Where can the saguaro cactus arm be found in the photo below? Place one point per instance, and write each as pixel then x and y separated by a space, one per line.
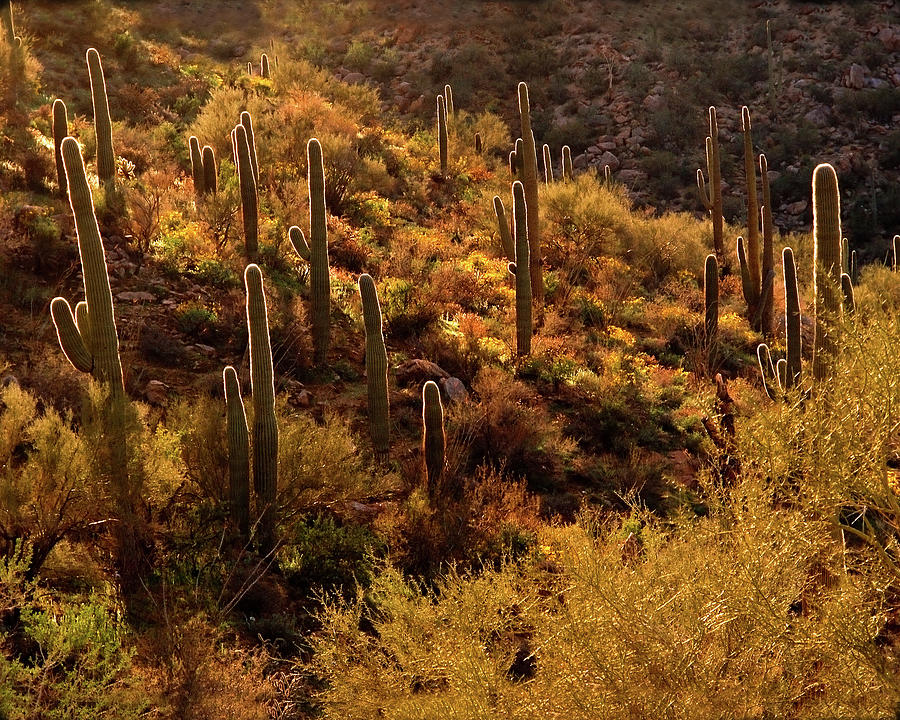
pixel 106 159
pixel 70 340
pixel 238 452
pixel 60 132
pixel 247 123
pixel 528 160
pixel 503 226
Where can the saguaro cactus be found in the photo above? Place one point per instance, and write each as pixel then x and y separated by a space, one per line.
pixel 895 256
pixel 60 132
pixel 567 169
pixel 376 369
pixel 753 266
pixel 197 173
pixel 316 251
pixel 791 318
pixel 247 123
pixel 210 173
pixel 448 101
pixel 6 18
pixel 238 453
pixel 434 442
pixel 548 165
pixel 479 144
pixel 106 158
pixel 265 425
pixel 503 226
pixel 847 290
pixel 826 266
pixel 264 66
pixel 712 195
pixel 520 269
pixel 528 160
pixel 249 197
pixel 711 297
pixel 767 290
pixel 442 133
pixel 519 156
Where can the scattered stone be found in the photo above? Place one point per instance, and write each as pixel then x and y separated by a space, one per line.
pixel 797 208
pixel 355 78
pixel 818 116
pixel 454 390
pixel 856 77
pixel 205 349
pixel 419 371
pixel 135 296
pixel 607 158
pixel 157 393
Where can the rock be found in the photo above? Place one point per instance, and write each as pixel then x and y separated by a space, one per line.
pixel 797 208
pixel 454 390
pixel 818 116
pixel 157 393
pixel 419 371
pixel 8 380
pixel 205 349
pixel 890 36
pixel 355 78
pixel 607 158
pixel 579 162
pixel 654 102
pixel 630 177
pixel 855 77
pixel 607 146
pixel 137 296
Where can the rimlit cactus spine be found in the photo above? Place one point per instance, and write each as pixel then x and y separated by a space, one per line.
pixel 265 425
pixel 210 172
pixel 826 267
pixel 106 158
pixel 60 132
pixel 316 251
pixel 249 197
pixel 434 442
pixel 520 269
pixel 529 176
pixel 238 453
pixel 376 369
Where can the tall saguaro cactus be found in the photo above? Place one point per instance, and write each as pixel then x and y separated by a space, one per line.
pixel 434 442
pixel 316 251
pixel 711 195
pixel 791 318
pixel 238 453
pixel 767 290
pixel 528 164
pixel 376 368
pixel 826 267
pixel 210 173
pixel 265 425
pixel 106 158
pixel 443 141
pixel 60 133
pixel 753 266
pixel 520 269
pixel 249 197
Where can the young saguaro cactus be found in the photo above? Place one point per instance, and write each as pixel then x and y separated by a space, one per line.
pixel 548 165
pixel 712 195
pixel 264 66
pixel 249 197
pixel 210 172
pixel 265 425
pixel 479 144
pixel 711 297
pixel 60 133
pixel 316 251
pixel 197 173
pixel 520 269
pixel 528 160
pixel 826 267
pixel 238 453
pixel 376 369
pixel 895 256
pixel 448 101
pixel 506 240
pixel 442 133
pixel 106 158
pixel 567 169
pixel 434 441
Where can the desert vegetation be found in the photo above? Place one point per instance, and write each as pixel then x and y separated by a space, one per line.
pixel 319 400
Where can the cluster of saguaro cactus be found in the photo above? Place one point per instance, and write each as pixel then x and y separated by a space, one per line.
pixel 826 267
pixel 711 192
pixel 265 425
pixel 434 441
pixel 519 267
pixel 757 280
pixel 443 135
pixel 238 436
pixel 60 133
pixel 316 251
pixel 711 298
pixel 106 158
pixel 376 368
pixel 527 161
pixel 248 185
